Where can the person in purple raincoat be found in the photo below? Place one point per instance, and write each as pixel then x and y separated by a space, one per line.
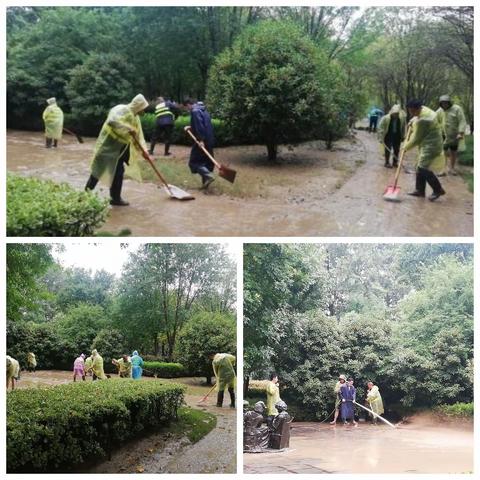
pixel 347 396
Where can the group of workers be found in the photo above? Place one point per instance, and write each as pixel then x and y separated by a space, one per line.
pixel 121 143
pixel 127 366
pixel 438 135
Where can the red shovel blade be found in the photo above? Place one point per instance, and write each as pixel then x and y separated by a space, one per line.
pixel 392 193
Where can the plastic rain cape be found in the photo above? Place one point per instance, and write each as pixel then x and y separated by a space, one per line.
pixel 112 142
pixel 452 122
pixel 223 369
pixel 426 134
pixel 375 400
pixel 53 119
pixel 273 396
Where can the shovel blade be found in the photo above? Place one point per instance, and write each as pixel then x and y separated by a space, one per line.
pixel 392 194
pixel 227 173
pixel 178 193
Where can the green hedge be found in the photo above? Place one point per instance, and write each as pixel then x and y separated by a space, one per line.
pixel 459 409
pixel 164 370
pixel 57 428
pixel 44 208
pixel 222 136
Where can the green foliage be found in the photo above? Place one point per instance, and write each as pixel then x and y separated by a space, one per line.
pixel 59 427
pixel 164 370
pixel 400 315
pixel 98 84
pixel 43 208
pixel 466 157
pixel 274 86
pixel 222 136
pixel 110 343
pixel 458 410
pixel 205 333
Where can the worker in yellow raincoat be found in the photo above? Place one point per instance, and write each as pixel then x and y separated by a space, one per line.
pixel 374 400
pixel 391 133
pixel 273 396
pixel 31 362
pixel 453 123
pixel 53 120
pixel 88 366
pixel 13 371
pixel 426 135
pixel 223 368
pixel 115 147
pixel 124 366
pixel 338 401
pixel 97 366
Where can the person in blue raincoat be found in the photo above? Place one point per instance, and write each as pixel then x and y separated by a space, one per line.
pixel 202 127
pixel 137 364
pixel 347 396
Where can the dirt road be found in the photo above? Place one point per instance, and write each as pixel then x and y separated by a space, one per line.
pixel 314 193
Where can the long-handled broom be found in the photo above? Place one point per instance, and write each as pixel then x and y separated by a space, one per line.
pixel 206 396
pixel 223 171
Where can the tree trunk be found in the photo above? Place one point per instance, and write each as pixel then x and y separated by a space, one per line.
pixel 246 383
pixel 272 151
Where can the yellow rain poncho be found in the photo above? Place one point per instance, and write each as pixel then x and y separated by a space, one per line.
pixel 115 138
pixel 13 368
pixel 124 368
pixel 453 122
pixel 273 396
pixel 31 360
pixel 97 365
pixel 385 123
pixel 224 372
pixel 426 134
pixel 53 120
pixel 88 364
pixel 375 400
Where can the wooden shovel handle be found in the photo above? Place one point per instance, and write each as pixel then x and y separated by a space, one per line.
pixel 402 155
pixel 146 156
pixel 205 151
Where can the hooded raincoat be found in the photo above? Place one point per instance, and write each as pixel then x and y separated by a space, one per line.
pixel 273 396
pixel 347 393
pixel 53 120
pixel 97 365
pixel 453 122
pixel 13 368
pixel 222 365
pixel 31 360
pixel 124 368
pixel 137 364
pixel 426 135
pixel 385 123
pixel 115 138
pixel 375 400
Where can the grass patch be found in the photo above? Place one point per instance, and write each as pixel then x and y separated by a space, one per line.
pixel 466 157
pixel 457 410
pixel 468 177
pixel 195 424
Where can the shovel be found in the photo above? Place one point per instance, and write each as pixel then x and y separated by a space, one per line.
pixel 206 396
pixel 223 171
pixel 79 138
pixel 172 190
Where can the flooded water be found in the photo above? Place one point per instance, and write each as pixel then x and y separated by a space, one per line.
pixel 164 452
pixel 417 447
pixel 313 193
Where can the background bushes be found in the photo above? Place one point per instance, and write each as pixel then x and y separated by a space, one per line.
pixel 63 426
pixel 44 208
pixel 164 370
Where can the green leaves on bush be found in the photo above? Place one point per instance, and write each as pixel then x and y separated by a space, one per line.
pixel 56 428
pixel 458 409
pixel 164 369
pixel 38 208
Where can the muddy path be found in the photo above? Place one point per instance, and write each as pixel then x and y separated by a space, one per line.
pixel 417 447
pixel 310 192
pixel 165 451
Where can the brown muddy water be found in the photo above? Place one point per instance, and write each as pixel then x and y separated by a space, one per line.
pixel 164 452
pixel 417 447
pixel 310 192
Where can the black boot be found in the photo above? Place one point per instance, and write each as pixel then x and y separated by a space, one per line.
pixel 434 183
pixel 91 183
pixel 48 142
pixel 231 391
pixel 116 188
pixel 420 184
pixel 152 148
pixel 55 143
pixel 220 398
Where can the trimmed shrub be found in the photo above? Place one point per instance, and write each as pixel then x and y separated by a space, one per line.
pixel 37 208
pixel 56 428
pixel 222 136
pixel 164 369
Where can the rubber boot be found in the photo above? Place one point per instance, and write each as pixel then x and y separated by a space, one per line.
pixel 48 142
pixel 91 183
pixel 152 148
pixel 231 391
pixel 55 143
pixel 220 399
pixel 167 148
pixel 420 184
